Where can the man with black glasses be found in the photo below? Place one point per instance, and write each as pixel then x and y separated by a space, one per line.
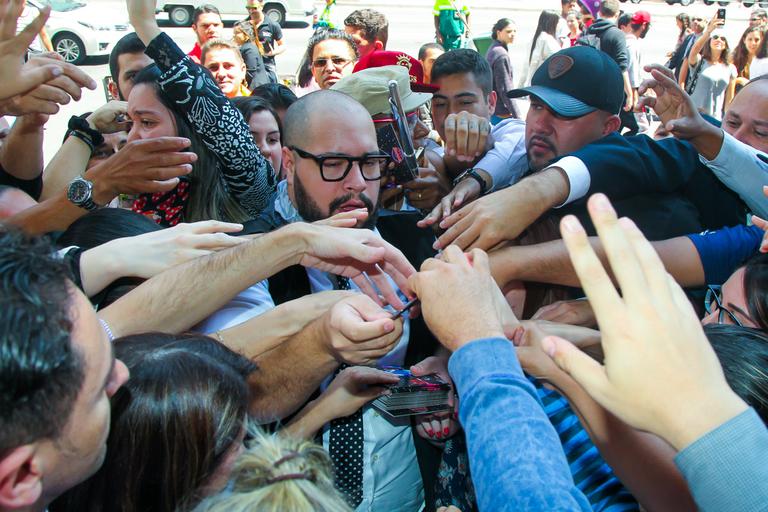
pixel 334 167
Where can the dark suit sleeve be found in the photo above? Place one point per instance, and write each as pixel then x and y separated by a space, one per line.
pixel 626 166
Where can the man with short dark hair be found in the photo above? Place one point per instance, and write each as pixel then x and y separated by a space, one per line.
pixel 207 24
pixel 126 59
pixel 573 150
pixel 332 55
pixel 464 102
pixel 57 374
pixel 758 18
pixel 428 54
pixel 604 35
pixel 369 29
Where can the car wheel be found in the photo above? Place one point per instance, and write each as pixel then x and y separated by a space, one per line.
pixel 275 12
pixel 70 47
pixel 180 15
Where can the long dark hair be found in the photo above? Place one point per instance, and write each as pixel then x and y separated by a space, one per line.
pixel 725 55
pixel 249 105
pixel 172 426
pixel 548 20
pixel 741 58
pixel 743 354
pixel 756 289
pixel 208 196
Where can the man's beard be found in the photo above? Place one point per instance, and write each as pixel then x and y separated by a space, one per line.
pixel 539 166
pixel 310 211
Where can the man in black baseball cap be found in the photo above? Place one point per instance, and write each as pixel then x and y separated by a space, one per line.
pixel 574 149
pixel 576 96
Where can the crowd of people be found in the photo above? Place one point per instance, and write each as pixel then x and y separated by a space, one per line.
pixel 213 278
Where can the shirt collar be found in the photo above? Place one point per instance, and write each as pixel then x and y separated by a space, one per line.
pixel 283 205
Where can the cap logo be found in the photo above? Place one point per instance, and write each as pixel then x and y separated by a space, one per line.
pixel 559 65
pixel 403 60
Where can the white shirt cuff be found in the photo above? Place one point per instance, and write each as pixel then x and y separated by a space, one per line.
pixel 578 177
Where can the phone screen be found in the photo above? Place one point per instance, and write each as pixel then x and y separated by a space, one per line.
pixel 721 14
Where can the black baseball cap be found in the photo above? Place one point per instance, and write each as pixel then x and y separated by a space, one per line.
pixel 577 81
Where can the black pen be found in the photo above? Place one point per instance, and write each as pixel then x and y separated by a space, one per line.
pixel 408 306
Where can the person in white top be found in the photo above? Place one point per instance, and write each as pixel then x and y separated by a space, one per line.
pixel 543 45
pixel 714 75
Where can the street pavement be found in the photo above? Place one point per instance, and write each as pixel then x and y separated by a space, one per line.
pixel 411 25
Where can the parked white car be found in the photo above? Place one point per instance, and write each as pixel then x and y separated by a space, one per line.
pixel 78 30
pixel 279 11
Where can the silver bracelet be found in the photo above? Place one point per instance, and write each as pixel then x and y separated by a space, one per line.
pixel 107 330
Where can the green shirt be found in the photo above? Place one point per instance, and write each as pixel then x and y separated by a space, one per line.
pixel 445 5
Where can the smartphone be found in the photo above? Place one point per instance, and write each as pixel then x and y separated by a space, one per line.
pixel 721 14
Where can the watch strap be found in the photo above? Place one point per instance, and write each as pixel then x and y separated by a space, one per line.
pixel 87 203
pixel 472 173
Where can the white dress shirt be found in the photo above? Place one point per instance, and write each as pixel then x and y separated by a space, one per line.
pixel 391 476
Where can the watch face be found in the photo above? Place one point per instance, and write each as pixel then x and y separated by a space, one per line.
pixel 78 191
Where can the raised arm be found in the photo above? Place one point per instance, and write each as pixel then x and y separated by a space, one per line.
pixel 245 171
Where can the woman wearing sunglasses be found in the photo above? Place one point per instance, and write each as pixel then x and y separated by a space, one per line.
pixel 712 81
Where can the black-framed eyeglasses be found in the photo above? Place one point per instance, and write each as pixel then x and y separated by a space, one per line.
pixel 336 166
pixel 715 294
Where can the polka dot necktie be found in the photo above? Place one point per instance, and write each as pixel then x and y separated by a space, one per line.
pixel 345 443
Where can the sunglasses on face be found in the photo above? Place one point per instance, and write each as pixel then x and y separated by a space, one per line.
pixel 337 62
pixel 716 37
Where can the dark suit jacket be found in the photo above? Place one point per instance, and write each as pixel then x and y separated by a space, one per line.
pixel 661 185
pixel 399 229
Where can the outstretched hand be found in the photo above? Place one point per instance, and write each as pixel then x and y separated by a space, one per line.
pixel 359 254
pixel 460 301
pixel 15 78
pixel 660 373
pixel 672 104
pixel 357 331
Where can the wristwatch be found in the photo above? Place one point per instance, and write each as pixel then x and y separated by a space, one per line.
pixel 471 173
pixel 80 193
